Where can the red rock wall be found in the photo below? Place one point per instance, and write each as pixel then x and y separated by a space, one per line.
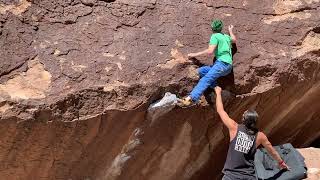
pixel 76 78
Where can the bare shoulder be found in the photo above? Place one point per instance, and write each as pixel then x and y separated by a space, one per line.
pixel 233 131
pixel 233 124
pixel 260 134
pixel 261 137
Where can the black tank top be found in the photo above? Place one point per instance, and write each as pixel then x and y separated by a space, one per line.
pixel 240 158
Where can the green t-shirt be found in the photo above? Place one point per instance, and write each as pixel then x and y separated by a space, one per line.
pixel 223 49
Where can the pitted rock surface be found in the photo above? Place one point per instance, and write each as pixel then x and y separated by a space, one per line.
pixel 77 76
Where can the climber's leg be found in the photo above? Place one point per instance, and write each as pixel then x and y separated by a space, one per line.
pixel 217 70
pixel 207 93
pixel 202 71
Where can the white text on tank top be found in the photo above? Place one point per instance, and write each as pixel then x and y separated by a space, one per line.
pixel 244 142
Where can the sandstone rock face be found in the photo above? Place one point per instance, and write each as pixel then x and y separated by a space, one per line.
pixel 312 160
pixel 77 76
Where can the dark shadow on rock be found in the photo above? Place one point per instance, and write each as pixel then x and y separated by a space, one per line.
pixel 227 83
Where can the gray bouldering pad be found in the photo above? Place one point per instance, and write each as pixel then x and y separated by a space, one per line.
pixel 267 168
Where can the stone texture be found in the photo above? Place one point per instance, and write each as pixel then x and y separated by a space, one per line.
pixel 77 76
pixel 312 160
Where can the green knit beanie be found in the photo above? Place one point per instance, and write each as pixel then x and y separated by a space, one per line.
pixel 217 25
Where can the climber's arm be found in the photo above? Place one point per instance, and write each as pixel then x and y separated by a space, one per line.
pixel 230 123
pixel 266 144
pixel 208 51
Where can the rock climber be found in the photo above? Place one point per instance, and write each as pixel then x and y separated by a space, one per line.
pixel 220 48
pixel 244 140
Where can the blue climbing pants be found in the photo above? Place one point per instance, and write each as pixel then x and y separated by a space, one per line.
pixel 209 75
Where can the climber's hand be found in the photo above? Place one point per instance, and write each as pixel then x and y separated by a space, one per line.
pixel 230 27
pixel 218 90
pixel 283 165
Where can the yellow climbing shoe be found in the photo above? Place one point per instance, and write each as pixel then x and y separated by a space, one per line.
pixel 185 102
